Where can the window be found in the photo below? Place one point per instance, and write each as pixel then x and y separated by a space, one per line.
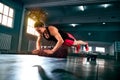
pixel 100 49
pixel 90 48
pixel 30 27
pixel 6 15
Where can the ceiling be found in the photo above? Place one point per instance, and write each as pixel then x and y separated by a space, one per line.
pixel 62 13
pixel 67 12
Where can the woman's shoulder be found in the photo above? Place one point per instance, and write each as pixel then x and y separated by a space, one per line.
pixel 52 27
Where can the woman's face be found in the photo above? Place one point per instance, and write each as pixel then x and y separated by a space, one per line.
pixel 40 29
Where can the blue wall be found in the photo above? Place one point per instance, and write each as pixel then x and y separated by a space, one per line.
pixel 98 32
pixel 18 8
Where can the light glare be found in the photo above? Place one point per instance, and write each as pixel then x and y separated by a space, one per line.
pixel 81 8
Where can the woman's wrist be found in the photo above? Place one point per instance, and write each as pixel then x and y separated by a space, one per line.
pixel 53 51
pixel 38 48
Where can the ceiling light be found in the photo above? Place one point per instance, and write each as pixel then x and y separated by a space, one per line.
pixel 105 5
pixel 89 33
pixel 73 25
pixel 81 8
pixel 103 23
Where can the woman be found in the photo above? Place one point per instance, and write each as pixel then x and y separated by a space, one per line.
pixel 54 34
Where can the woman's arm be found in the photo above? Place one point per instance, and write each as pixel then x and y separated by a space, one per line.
pixel 38 45
pixel 54 32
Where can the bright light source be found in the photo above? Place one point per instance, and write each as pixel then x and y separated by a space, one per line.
pixel 30 28
pixel 90 48
pixel 81 8
pixel 103 23
pixel 73 25
pixel 89 33
pixel 100 49
pixel 105 5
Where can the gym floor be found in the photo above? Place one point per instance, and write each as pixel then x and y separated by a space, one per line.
pixel 33 67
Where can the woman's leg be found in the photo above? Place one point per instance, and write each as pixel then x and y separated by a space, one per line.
pixel 80 42
pixel 76 43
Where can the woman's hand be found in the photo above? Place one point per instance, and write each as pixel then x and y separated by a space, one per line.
pixel 48 51
pixel 36 51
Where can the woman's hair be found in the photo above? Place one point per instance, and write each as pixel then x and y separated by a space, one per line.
pixel 39 24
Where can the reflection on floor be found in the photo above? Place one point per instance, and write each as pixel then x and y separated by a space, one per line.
pixel 32 67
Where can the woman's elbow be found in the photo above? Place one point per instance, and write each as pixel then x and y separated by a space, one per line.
pixel 62 41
